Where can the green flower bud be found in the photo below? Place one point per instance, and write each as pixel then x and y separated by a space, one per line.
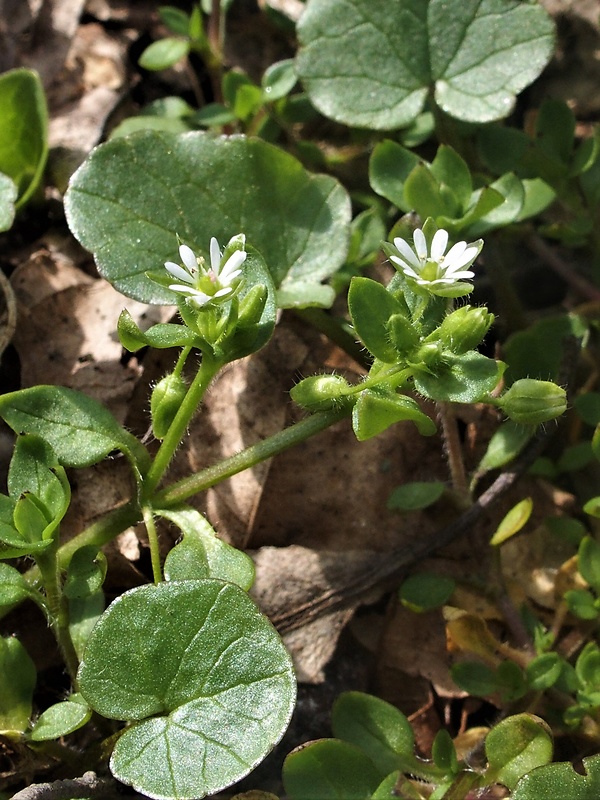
pixel 166 399
pixel 429 356
pixel 320 392
pixel 403 336
pixel 464 329
pixel 532 402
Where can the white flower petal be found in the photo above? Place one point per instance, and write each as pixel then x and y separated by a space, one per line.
pixel 439 244
pixel 464 259
pixel 189 259
pixel 178 272
pixel 235 260
pixel 223 291
pixel 215 256
pixel 178 287
pixel 455 252
pixel 458 276
pixel 420 244
pixel 407 253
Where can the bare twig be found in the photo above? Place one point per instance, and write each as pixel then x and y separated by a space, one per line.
pixel 88 786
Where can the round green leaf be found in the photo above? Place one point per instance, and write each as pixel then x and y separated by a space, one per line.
pixel 60 720
pixel 329 770
pixel 415 495
pixel 279 80
pixel 544 671
pixel 207 187
pixel 372 63
pixel 426 591
pixel 13 586
pixel 588 562
pixel 204 674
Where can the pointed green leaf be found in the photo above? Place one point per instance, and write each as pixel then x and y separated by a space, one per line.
pixel 17 678
pixel 299 222
pixel 203 675
pixel 389 167
pixel 452 171
pixel 162 335
pixel 372 63
pixel 79 430
pixel 516 746
pixel 465 379
pixel 164 53
pixel 61 719
pixel 23 130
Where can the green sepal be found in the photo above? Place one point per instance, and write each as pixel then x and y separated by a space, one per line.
pixel 160 336
pixel 379 407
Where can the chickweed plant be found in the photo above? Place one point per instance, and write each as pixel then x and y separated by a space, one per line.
pixel 232 213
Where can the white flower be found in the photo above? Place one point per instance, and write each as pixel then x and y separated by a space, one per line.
pixel 436 270
pixel 204 285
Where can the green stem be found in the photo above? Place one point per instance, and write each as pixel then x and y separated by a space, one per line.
pixel 49 568
pixel 153 542
pixel 208 369
pixel 295 434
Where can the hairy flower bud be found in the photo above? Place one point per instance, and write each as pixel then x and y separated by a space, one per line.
pixel 166 399
pixel 532 402
pixel 403 336
pixel 464 329
pixel 320 392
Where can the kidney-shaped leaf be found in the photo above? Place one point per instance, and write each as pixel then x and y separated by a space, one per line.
pixel 133 196
pixel 372 63
pixel 203 672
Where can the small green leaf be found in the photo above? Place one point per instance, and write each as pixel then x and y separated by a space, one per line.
pixel 561 780
pixel 443 752
pixel 371 306
pixel 474 678
pixel 588 562
pixel 8 195
pixel 79 430
pixel 329 769
pixel 23 130
pixel 587 667
pixel 377 728
pixel 164 53
pixel 279 80
pixel 423 193
pixel 85 573
pixel 581 603
pixel 378 408
pixel 516 746
pixel 201 673
pixel 426 591
pixel 17 678
pixel 202 554
pixel 61 719
pixel 513 522
pixel 505 444
pixel 452 172
pixel 415 495
pixel 389 167
pixel 372 64
pixel 84 612
pixel 176 20
pixel 543 671
pixel 592 507
pixel 13 586
pixel 299 222
pixel 161 336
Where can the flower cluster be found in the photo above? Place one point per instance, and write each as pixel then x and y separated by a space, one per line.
pixel 436 271
pixel 202 284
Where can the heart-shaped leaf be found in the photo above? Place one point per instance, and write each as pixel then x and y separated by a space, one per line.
pixel 207 187
pixel 205 676
pixel 372 63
